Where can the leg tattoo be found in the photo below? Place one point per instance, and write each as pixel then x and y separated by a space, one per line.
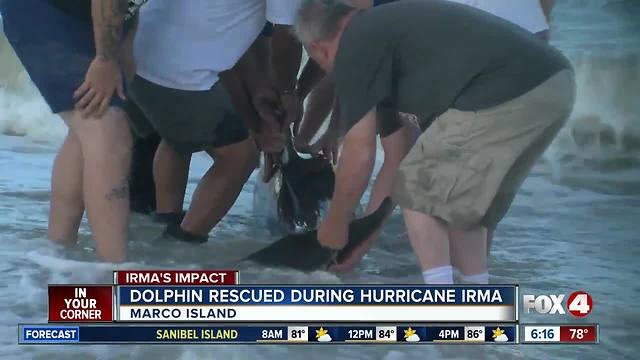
pixel 119 192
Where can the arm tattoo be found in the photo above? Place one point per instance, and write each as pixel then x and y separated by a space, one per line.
pixel 108 19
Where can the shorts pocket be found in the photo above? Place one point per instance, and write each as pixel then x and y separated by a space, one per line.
pixel 456 183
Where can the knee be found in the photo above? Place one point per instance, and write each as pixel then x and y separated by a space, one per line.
pixel 250 158
pixel 116 130
pixel 245 157
pixel 109 134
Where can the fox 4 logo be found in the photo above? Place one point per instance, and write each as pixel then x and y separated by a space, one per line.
pixel 579 304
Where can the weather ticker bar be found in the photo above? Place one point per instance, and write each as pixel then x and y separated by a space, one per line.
pixel 499 334
pixel 267 334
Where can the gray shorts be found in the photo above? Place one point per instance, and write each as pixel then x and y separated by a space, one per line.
pixel 189 121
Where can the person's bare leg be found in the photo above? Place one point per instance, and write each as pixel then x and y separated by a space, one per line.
pixel 219 188
pixel 106 149
pixel 170 173
pixel 468 254
pixel 490 233
pixel 395 149
pixel 67 204
pixel 396 146
pixel 430 241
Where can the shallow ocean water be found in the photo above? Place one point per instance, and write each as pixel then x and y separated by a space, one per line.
pixel 573 225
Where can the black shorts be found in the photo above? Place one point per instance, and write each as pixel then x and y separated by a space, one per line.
pixel 189 121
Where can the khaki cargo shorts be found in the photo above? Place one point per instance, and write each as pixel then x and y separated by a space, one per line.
pixel 467 167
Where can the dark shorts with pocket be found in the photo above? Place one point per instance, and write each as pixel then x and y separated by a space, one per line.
pixel 189 121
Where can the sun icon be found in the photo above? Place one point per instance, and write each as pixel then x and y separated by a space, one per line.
pixel 409 332
pixel 320 333
pixel 499 335
pixel 411 336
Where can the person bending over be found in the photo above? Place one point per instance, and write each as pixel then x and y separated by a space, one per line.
pixel 532 15
pixel 477 146
pixel 178 90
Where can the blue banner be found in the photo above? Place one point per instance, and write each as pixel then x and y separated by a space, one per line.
pixel 42 334
pixel 316 295
pixel 252 334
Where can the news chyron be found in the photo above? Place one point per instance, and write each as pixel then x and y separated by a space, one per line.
pixel 213 307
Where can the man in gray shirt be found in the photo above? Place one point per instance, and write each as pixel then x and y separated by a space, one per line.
pixel 489 95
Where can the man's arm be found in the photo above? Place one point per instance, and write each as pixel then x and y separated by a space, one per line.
pixel 255 72
pixel 104 77
pixel 319 105
pixel 254 68
pixel 251 84
pixel 285 60
pixel 352 177
pixel 108 21
pixel 286 57
pixel 309 78
pixel 241 99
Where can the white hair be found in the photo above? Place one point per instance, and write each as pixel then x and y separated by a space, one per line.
pixel 319 19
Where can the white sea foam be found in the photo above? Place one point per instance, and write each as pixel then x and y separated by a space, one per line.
pixel 23 112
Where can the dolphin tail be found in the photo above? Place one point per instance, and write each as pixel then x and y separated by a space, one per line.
pixel 304 252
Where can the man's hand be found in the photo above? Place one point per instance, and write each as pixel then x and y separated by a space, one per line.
pixel 352 259
pixel 292 106
pixel 103 79
pixel 327 145
pixel 269 140
pixel 333 233
pixel 268 106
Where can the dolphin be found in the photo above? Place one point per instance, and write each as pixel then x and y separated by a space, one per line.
pixel 295 191
pixel 303 251
pixel 306 185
